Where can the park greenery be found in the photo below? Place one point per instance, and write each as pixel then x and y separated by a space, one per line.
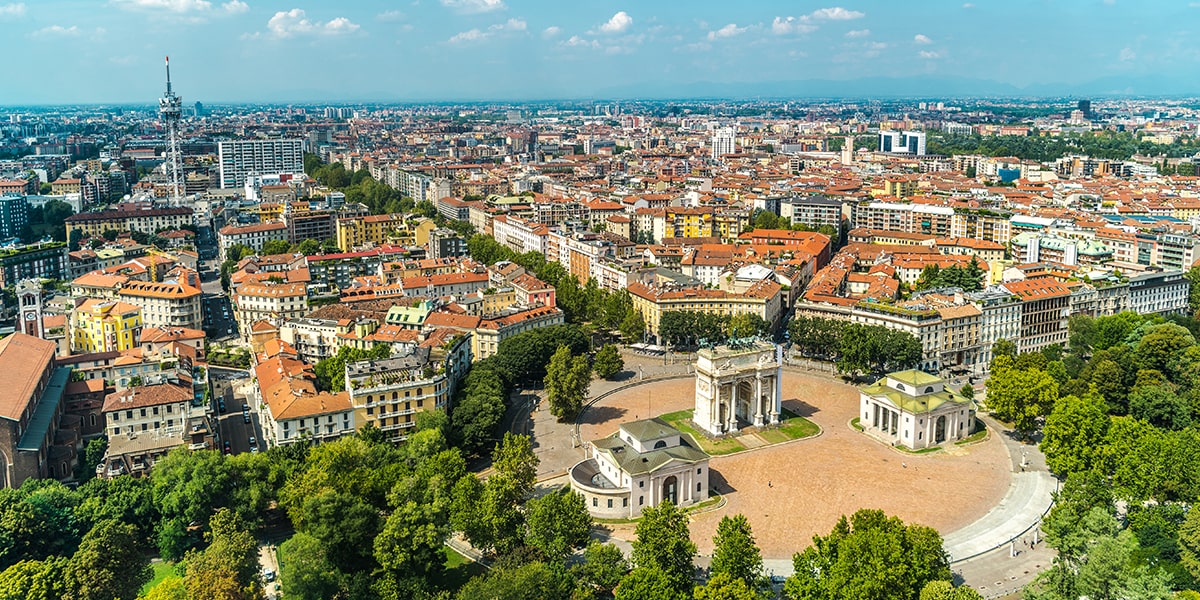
pixel 1117 412
pixel 855 348
pixel 1100 144
pixel 608 362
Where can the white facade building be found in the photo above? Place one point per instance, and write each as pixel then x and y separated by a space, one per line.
pixel 239 158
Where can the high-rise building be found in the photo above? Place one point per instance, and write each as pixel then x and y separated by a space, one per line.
pixel 268 157
pixel 889 141
pixel 908 142
pixel 14 215
pixel 1085 107
pixel 723 142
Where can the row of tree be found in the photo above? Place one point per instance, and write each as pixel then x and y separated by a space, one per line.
pixel 687 328
pixel 968 278
pixel 856 348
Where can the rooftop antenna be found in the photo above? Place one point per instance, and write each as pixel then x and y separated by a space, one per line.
pixel 170 107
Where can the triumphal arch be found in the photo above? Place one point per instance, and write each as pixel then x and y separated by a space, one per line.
pixel 738 385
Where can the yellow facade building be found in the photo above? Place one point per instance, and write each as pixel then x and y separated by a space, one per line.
pixel 104 326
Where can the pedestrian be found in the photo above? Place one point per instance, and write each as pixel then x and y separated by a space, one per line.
pixel 769 483
pixel 904 464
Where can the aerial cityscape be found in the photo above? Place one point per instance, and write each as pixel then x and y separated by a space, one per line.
pixel 496 300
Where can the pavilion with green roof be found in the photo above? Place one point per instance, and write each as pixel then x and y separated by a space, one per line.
pixel 916 410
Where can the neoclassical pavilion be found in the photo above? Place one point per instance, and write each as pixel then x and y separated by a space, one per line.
pixel 916 410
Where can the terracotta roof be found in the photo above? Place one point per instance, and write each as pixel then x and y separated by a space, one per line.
pixel 149 395
pixel 23 360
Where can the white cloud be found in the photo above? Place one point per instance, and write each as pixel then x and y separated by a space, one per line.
pixel 578 42
pixel 837 13
pixel 291 23
pixel 551 31
pixel 857 33
pixel 786 25
pixel 510 25
pixel 921 38
pixel 474 6
pixel 175 6
pixel 618 23
pixel 727 31
pixel 806 23
pixel 968 5
pixel 929 54
pixel 478 35
pixel 1127 54
pixel 12 11
pixel 235 7
pixel 470 35
pixel 56 30
pixel 389 15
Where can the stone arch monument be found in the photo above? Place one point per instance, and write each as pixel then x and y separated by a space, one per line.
pixel 738 385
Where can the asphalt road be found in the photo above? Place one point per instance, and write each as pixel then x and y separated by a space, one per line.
pixel 231 424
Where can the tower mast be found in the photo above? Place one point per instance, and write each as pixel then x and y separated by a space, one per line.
pixel 170 108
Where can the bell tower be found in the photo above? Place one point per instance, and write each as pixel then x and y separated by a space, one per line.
pixel 29 301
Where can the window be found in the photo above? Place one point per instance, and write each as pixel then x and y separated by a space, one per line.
pixel 595 502
pixel 697 486
pixel 641 484
pixel 610 502
pixel 624 502
pixel 697 471
pixel 641 500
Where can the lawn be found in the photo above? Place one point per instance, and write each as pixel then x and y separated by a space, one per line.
pixel 791 429
pixel 458 570
pixel 682 420
pixel 979 434
pixel 161 571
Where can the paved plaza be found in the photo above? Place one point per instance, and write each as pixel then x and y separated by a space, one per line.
pixel 795 490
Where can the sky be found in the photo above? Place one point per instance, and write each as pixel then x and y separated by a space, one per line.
pixel 111 51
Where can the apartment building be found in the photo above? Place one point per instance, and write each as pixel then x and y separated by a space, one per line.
pixel 253 236
pixel 433 286
pixel 987 225
pixel 144 423
pixel 239 158
pixel 494 329
pixel 1045 308
pixel 291 410
pixel 913 218
pixel 520 235
pixel 172 303
pixel 145 221
pixel 268 301
pixel 104 326
pixel 763 298
pixel 813 211
pixel 1163 293
pixel 1000 319
pixel 337 271
pixel 389 393
pixel 35 261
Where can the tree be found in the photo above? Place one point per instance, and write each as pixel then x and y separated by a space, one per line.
pixel 603 567
pixel 869 555
pixel 648 583
pixel 228 568
pixel 663 544
pixel 735 553
pixel 479 410
pixel 1158 347
pixel 187 487
pixel 1021 395
pixel 567 380
pixel 110 564
pixel 944 590
pixel 34 580
pixel 724 586
pixel 557 523
pixel 275 247
pixel 307 574
pixel 308 247
pixel 489 514
pixel 534 580
pixel 1074 434
pixel 608 362
pixel 747 325
pixel 1160 406
pixel 633 326
pixel 93 454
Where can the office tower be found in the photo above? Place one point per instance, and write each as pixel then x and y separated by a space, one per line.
pixel 889 141
pixel 170 107
pixel 14 215
pixel 199 109
pixel 722 142
pixel 913 142
pixel 1085 107
pixel 265 157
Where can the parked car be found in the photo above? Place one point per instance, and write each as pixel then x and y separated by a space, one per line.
pixel 221 405
pixel 245 417
pixel 228 449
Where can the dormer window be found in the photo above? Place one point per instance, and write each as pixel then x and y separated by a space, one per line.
pixel 660 444
pixel 929 390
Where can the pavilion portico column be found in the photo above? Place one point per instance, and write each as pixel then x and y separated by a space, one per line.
pixel 734 397
pixel 758 401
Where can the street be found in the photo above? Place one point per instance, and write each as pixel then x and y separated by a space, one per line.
pixel 232 425
pixel 219 323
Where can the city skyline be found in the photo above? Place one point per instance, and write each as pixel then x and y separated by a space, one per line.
pixel 253 51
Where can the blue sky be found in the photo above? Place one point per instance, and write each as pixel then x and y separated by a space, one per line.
pixel 67 51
